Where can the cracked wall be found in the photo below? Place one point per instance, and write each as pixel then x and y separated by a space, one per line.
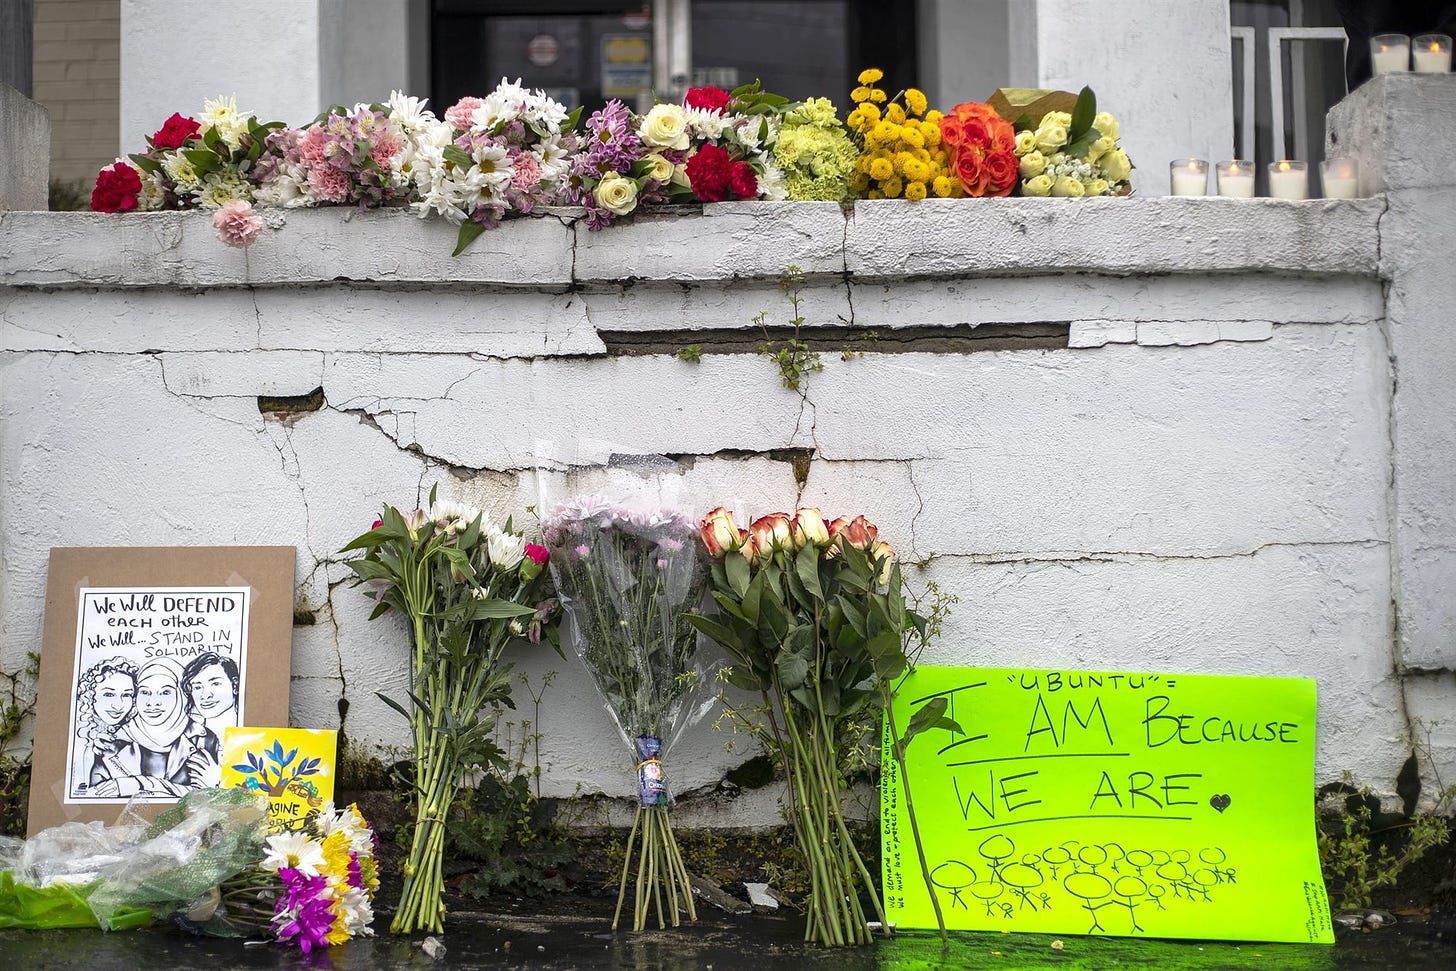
pixel 1187 468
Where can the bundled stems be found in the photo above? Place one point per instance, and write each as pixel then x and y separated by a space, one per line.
pixel 661 874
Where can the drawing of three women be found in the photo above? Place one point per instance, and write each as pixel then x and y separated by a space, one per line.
pixel 154 729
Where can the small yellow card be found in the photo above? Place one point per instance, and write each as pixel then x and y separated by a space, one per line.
pixel 294 766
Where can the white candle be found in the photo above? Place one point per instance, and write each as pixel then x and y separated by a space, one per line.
pixel 1432 54
pixel 1288 180
pixel 1389 53
pixel 1189 176
pixel 1341 178
pixel 1236 179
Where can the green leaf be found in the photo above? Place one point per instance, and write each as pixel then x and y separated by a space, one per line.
pixel 720 633
pixel 773 617
pixel 737 569
pixel 392 703
pixel 742 676
pixel 728 605
pixel 792 669
pixel 753 596
pixel 455 154
pixel 469 233
pixel 891 665
pixel 1082 114
pixel 1079 147
pixel 499 609
pixel 927 716
pixel 213 140
pixel 569 125
pixel 147 165
pixel 806 564
pixel 202 160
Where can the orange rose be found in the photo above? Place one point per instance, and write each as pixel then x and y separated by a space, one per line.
pixel 1001 173
pixel 772 532
pixel 858 532
pixel 720 533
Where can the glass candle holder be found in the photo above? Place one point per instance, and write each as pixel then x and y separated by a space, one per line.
pixel 1236 179
pixel 1389 54
pixel 1340 178
pixel 1289 179
pixel 1188 177
pixel 1431 54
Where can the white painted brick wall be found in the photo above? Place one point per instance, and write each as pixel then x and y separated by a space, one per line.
pixel 1201 481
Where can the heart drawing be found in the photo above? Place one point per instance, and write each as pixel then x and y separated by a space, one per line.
pixel 1220 801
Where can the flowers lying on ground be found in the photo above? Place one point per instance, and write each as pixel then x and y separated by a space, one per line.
pixel 516 150
pixel 1073 154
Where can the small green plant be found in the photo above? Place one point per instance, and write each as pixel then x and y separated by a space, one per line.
pixel 693 354
pixel 856 345
pixel 17 707
pixel 793 356
pixel 1362 849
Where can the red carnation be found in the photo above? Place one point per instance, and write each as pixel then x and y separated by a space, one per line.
pixel 743 181
pixel 709 98
pixel 709 173
pixel 537 554
pixel 117 188
pixel 175 131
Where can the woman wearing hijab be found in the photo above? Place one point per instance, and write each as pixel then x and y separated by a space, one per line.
pixel 105 701
pixel 154 749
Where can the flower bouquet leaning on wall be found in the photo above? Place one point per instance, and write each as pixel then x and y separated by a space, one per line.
pixel 627 581
pixel 816 621
pixel 466 587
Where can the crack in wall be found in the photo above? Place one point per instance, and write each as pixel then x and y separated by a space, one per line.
pixel 1034 557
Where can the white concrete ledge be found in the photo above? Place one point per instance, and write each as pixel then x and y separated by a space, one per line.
pixel 728 241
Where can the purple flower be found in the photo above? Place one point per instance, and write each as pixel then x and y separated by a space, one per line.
pixel 612 145
pixel 583 551
pixel 303 914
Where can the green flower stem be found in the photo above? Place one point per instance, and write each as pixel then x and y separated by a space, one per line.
pixel 626 861
pixel 899 751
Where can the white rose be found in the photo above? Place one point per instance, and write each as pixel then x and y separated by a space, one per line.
pixel 1115 166
pixel 661 168
pixel 680 176
pixel 1039 186
pixel 1098 187
pixel 1032 165
pixel 1106 124
pixel 1099 148
pixel 1050 137
pixel 616 194
pixel 665 126
pixel 1068 187
pixel 1025 141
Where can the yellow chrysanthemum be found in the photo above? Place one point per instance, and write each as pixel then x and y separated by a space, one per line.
pixel 885 131
pixel 881 169
pixel 910 135
pixel 934 116
pixel 892 187
pixel 915 100
pixel 337 934
pixel 855 121
pixel 893 112
pixel 930 132
pixel 943 186
pixel 860 182
pixel 859 94
pixel 915 191
pixel 870 110
pixel 336 855
pixel 870 75
pixel 875 194
pixel 876 94
pixel 915 170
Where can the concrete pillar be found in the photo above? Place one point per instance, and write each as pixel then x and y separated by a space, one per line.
pixel 1402 130
pixel 1164 69
pixel 963 49
pixel 264 53
pixel 25 144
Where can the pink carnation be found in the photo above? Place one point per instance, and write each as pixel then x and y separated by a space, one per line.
pixel 525 171
pixel 458 114
pixel 236 223
pixel 328 184
pixel 311 145
pixel 386 148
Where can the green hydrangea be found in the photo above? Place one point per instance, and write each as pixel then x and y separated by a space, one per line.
pixel 815 153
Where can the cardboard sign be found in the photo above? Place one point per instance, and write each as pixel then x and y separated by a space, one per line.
pixel 1101 803
pixel 148 656
pixel 294 766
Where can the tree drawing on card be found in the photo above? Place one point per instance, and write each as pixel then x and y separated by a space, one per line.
pixel 159 676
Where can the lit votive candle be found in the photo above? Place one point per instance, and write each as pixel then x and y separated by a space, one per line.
pixel 1236 179
pixel 1189 176
pixel 1432 54
pixel 1289 179
pixel 1389 53
pixel 1341 178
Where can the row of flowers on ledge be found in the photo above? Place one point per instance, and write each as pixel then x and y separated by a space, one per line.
pixel 516 150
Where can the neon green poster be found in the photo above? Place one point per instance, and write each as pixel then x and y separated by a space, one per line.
pixel 1123 804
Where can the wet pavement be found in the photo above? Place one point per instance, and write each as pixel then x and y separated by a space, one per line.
pixel 519 938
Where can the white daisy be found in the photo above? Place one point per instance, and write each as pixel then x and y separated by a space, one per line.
pixel 294 851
